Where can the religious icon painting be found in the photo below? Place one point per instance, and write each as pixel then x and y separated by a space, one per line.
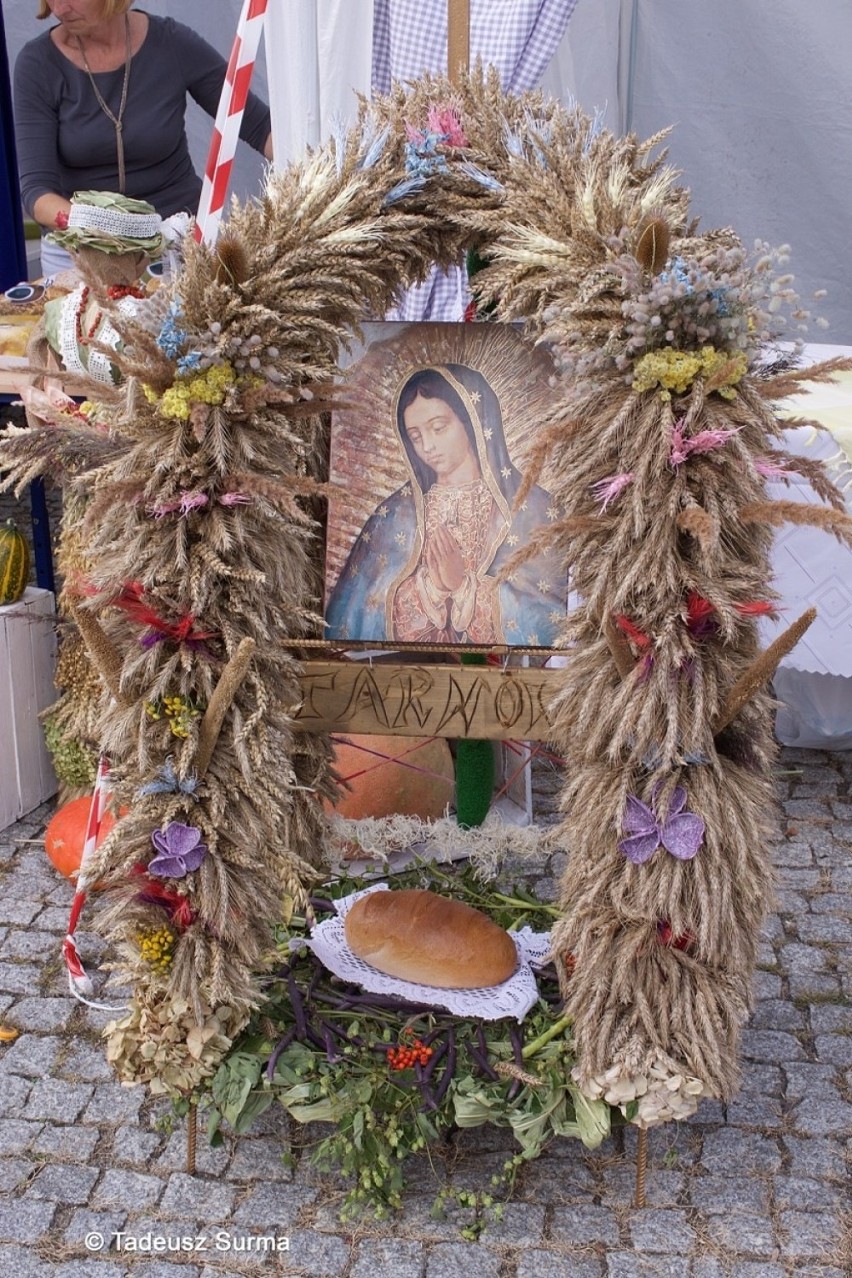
pixel 427 460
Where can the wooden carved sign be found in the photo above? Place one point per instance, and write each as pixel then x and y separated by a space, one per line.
pixel 413 700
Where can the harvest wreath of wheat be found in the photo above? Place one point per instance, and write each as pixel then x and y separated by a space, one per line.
pixel 195 563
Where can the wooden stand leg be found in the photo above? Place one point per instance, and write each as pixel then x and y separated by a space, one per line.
pixel 641 1167
pixel 191 1138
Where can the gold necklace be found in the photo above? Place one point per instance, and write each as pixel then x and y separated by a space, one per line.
pixel 116 119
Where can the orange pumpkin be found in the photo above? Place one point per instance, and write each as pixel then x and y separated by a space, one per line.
pixel 381 786
pixel 66 834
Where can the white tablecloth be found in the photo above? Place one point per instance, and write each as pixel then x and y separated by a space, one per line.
pixel 812 568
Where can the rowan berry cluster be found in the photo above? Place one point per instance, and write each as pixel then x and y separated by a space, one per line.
pixel 407 1055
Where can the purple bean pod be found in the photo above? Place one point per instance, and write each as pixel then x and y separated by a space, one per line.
pixel 331 1053
pixel 517 1053
pixel 298 1007
pixel 449 1069
pixel 321 905
pixel 280 1046
pixel 482 1058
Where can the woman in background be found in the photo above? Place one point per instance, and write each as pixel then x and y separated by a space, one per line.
pixel 100 104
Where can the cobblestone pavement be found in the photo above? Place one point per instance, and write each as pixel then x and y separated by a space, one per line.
pixel 755 1189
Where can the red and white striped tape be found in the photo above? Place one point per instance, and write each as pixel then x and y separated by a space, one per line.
pixel 78 979
pixel 226 131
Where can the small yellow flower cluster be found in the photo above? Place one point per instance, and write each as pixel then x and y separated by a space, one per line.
pixel 208 387
pixel 676 370
pixel 156 945
pixel 177 710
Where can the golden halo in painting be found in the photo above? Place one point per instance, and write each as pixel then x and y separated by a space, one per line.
pixel 430 451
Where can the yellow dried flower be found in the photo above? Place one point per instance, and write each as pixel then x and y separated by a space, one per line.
pixel 156 946
pixel 675 370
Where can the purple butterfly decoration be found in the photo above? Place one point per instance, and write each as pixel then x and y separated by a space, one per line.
pixel 681 833
pixel 179 851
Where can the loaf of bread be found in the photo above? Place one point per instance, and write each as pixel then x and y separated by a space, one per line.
pixel 420 936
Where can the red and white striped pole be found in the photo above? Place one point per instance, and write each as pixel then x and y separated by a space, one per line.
pixel 78 979
pixel 226 130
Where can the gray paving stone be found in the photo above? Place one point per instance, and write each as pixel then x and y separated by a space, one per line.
pixel 764 1079
pixel 755 1111
pixel 376 1257
pixel 450 1260
pixel 112 1102
pixel 793 1193
pixel 127 1189
pixel 803 960
pixel 154 1267
pixel 791 903
pixel 86 1222
pixel 662 1189
pixel 706 1267
pixel 135 1147
pixel 25 1220
pixel 51 1099
pixel 804 1078
pixel 766 985
pixel 521 1225
pixel 19 978
pixel 816 985
pixel 209 1161
pixel 757 1269
pixel 557 1180
pixel 777 1014
pixel 798 880
pixel 826 928
pixel 23 1262
pixel 732 1193
pixel 19 911
pixel 88 1268
pixel 24 945
pixel 743 1234
pixel 744 1153
pixel 831 1018
pixel 192 1197
pixel 816 1116
pixel 830 903
pixel 771 1046
pixel 14 1171
pixel 67 1144
pixel 836 1048
pixel 661 1231
pixel 53 919
pixel 64 1182
pixel 625 1264
pixel 16 1134
pixel 44 1014
pixel 584 1223
pixel 275 1205
pixel 32 1055
pixel 550 1264
pixel 808 1234
pixel 258 1159
pixel 85 1063
pixel 815 1158
pixel 14 1094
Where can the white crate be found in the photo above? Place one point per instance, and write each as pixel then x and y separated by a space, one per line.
pixel 27 662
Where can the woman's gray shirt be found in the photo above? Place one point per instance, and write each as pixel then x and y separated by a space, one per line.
pixel 66 143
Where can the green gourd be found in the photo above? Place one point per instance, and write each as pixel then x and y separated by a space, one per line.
pixel 14 563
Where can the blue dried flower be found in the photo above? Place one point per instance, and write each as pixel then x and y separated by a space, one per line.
pixel 171 339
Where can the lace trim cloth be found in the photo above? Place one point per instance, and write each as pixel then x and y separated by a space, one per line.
pixel 514 997
pixel 90 217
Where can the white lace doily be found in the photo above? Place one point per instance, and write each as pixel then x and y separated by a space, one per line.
pixel 514 997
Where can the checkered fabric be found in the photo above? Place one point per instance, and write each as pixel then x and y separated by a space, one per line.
pixel 518 37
